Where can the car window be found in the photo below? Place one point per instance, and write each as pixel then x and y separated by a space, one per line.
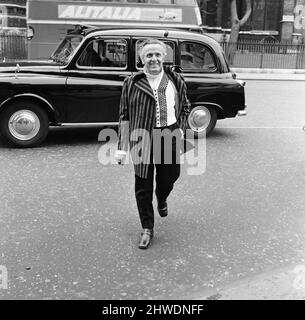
pixel 169 58
pixel 104 53
pixel 195 56
pixel 66 49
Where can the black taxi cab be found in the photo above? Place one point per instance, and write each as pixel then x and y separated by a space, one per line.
pixel 81 83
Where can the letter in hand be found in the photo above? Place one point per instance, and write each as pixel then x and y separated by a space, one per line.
pixel 182 133
pixel 120 156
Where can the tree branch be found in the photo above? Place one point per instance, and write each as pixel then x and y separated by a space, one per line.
pixel 234 15
pixel 247 14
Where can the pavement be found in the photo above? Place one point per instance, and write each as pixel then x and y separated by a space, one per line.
pixel 270 74
pixel 287 283
pixel 282 284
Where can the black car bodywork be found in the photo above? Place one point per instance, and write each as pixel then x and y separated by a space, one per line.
pixel 65 91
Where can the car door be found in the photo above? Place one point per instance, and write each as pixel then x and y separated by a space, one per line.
pixel 95 82
pixel 201 70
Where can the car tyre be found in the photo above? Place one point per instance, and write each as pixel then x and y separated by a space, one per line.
pixel 202 120
pixel 24 124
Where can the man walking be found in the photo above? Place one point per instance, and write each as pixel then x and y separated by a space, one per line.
pixel 153 103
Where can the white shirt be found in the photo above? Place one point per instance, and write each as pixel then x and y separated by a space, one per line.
pixel 170 93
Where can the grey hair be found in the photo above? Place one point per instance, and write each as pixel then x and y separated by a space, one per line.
pixel 148 42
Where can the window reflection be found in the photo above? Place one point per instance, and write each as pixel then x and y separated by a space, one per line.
pixel 104 53
pixel 197 57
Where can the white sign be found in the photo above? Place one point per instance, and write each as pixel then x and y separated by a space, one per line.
pixel 299 17
pixel 288 18
pixel 119 13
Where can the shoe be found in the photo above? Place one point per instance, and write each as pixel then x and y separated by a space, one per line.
pixel 146 237
pixel 162 208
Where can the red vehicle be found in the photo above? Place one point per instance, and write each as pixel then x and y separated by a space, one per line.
pixel 49 21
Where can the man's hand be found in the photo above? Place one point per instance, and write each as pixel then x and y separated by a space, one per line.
pixel 120 156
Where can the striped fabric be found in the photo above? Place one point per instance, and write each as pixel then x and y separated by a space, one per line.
pixel 137 111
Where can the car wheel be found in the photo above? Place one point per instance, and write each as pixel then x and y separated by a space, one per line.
pixel 24 124
pixel 202 121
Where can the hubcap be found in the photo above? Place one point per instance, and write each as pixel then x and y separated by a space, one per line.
pixel 24 124
pixel 199 119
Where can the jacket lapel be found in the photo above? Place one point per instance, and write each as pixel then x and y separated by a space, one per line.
pixel 143 85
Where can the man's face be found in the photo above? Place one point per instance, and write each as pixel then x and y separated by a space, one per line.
pixel 153 58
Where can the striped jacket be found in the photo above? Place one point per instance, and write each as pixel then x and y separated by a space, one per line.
pixel 138 111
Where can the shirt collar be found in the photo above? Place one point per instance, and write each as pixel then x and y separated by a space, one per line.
pixel 153 77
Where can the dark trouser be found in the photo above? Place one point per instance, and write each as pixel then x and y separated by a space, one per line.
pixel 166 176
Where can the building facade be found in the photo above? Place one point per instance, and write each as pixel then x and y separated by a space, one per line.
pixel 12 16
pixel 283 20
pixel 293 21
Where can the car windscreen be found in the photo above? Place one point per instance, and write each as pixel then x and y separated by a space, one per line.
pixel 66 48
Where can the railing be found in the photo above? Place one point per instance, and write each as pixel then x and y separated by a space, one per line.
pixel 255 54
pixel 13 46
